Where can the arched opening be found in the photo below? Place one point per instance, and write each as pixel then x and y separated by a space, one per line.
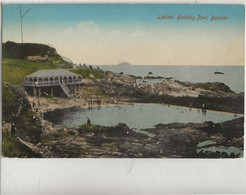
pixel 40 81
pixel 56 80
pixel 46 80
pixel 70 80
pixel 79 78
pixel 35 81
pixel 51 80
pixel 65 79
pixel 29 81
pixel 74 79
pixel 26 80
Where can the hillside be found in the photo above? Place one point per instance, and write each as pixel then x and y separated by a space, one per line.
pixel 15 108
pixel 20 51
pixel 15 66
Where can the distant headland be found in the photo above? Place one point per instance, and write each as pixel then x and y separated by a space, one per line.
pixel 124 64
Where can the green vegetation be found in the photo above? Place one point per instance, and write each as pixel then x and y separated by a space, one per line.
pixel 16 67
pixel 88 126
pixel 15 70
pixel 12 147
pixel 85 72
pixel 31 126
pixel 9 103
pixel 20 51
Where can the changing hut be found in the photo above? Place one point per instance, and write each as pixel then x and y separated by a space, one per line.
pixel 57 82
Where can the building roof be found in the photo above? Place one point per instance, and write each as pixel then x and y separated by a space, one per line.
pixel 52 73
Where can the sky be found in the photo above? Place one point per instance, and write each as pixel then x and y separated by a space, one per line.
pixel 141 34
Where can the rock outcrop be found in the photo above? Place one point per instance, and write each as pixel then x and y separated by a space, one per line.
pixel 37 58
pixel 175 140
pixel 212 96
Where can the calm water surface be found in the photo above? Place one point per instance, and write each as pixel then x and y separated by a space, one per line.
pixel 137 116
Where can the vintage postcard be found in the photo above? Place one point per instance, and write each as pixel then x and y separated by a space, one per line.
pixel 123 80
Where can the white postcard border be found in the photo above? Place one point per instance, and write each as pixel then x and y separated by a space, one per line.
pixel 123 176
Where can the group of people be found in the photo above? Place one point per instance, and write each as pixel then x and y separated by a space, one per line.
pixel 98 102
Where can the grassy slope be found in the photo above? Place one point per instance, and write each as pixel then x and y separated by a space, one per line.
pixel 12 147
pixel 9 104
pixel 16 67
pixel 85 72
pixel 15 70
pixel 31 127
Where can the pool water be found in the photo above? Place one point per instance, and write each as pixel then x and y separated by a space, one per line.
pixel 136 116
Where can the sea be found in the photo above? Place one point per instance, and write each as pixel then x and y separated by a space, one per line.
pixel 233 76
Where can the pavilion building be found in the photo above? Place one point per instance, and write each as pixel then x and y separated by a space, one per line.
pixel 57 82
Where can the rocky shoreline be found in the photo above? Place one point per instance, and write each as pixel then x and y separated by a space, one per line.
pixel 123 89
pixel 212 96
pixel 174 140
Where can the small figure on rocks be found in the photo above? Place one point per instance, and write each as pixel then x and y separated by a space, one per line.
pixel 88 121
pixel 13 128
